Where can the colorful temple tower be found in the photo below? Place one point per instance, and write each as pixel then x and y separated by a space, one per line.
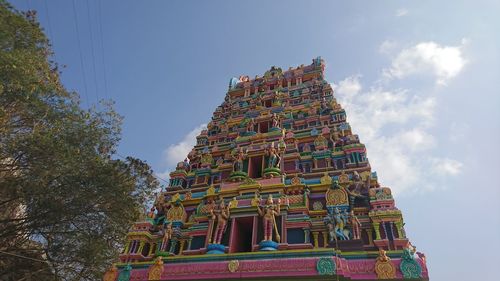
pixel 277 187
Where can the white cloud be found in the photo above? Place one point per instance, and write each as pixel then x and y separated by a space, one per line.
pixel 418 139
pixel 395 124
pixel 394 165
pixel 177 152
pixel 445 166
pixel 388 46
pixel 444 62
pixel 371 111
pixel 401 12
pixel 349 86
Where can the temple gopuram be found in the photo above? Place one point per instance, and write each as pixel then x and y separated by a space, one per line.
pixel 277 187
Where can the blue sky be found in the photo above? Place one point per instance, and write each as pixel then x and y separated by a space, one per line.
pixel 419 81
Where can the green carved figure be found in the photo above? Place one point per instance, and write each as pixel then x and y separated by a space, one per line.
pixel 274 159
pixel 238 157
pixel 409 266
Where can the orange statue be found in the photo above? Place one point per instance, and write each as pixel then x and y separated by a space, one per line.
pixel 167 235
pixel 355 225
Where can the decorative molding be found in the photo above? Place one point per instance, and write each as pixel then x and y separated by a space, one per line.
pixel 384 268
pixel 325 266
pixel 233 266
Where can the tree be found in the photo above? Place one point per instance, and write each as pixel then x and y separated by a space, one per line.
pixel 66 202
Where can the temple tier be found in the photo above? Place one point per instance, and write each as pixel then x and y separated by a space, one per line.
pixel 277 186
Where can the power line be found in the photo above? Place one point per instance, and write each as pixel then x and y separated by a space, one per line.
pixel 80 52
pixel 49 27
pixel 102 49
pixel 93 55
pixel 92 52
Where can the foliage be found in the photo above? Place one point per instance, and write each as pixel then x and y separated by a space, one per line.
pixel 64 200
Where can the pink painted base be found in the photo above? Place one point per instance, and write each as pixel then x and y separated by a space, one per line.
pixel 360 269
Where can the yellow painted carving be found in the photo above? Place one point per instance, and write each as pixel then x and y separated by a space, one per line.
pixel 295 180
pixel 233 203
pixel 233 266
pixel 176 213
pixel 384 268
pixel 336 197
pixel 326 179
pixel 176 197
pixel 211 191
pixel 255 200
pixel 343 178
pixel 207 159
pixel 156 270
pixel 320 141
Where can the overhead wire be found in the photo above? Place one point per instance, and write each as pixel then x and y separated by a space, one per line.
pixel 49 25
pixel 80 52
pixel 29 5
pixel 92 52
pixel 99 18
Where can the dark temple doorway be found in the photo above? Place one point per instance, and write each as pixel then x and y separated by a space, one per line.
pixel 242 235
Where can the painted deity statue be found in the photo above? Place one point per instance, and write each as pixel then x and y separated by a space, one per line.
pixel 275 121
pixel 345 217
pixel 161 204
pixel 402 229
pixel 360 187
pixel 382 256
pixel 306 148
pixel 336 223
pixel 250 125
pixel 209 206
pixel 280 96
pixel 206 158
pixel 224 128
pixel 167 235
pixel 255 200
pixel 274 159
pixel 227 157
pixel 258 102
pixel 268 214
pixel 221 215
pixel 219 161
pixel 335 137
pixel 340 223
pixel 324 107
pixel 355 226
pixel 238 158
pixel 330 223
pixel 194 158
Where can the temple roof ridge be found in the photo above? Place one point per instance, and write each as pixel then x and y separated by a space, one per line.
pixel 276 72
